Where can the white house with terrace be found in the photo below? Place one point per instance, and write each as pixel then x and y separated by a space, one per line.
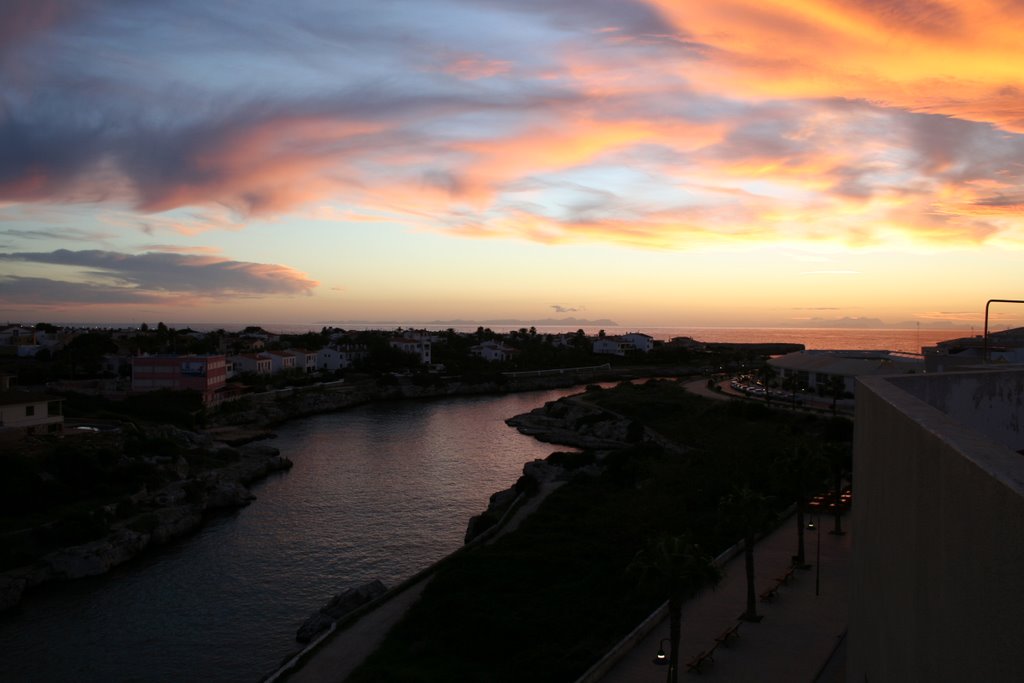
pixel 28 413
pixel 305 360
pixel 613 346
pixel 492 351
pixel 639 340
pixel 255 363
pixel 280 361
pixel 416 347
pixel 340 357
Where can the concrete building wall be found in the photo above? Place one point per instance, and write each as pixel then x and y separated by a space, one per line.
pixel 938 567
pixel 989 401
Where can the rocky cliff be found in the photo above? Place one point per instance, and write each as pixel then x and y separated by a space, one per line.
pixel 162 515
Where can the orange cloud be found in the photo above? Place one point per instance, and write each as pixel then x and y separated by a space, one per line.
pixel 937 56
pixel 575 140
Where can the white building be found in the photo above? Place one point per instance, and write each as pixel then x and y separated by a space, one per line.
pixel 28 413
pixel 813 369
pixel 416 347
pixel 1006 346
pixel 17 336
pixel 332 358
pixel 493 352
pixel 305 360
pixel 422 335
pixel 252 362
pixel 640 341
pixel 280 361
pixel 564 341
pixel 614 346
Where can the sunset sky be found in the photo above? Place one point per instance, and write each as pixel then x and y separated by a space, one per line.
pixel 653 162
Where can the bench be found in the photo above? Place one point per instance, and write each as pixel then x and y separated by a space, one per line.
pixel 770 594
pixel 729 634
pixel 700 659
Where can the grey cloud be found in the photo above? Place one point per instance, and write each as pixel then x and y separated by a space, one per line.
pixel 633 18
pixel 36 291
pixel 1001 200
pixel 65 234
pixel 177 273
pixel 52 159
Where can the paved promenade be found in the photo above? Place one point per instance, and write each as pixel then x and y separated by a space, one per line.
pixel 793 642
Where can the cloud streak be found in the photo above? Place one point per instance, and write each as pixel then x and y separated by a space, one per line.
pixel 105 277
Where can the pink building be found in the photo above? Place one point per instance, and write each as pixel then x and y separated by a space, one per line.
pixel 205 374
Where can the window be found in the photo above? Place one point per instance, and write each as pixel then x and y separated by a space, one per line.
pixel 30 411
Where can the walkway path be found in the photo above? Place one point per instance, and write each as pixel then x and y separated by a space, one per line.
pixel 799 632
pixel 338 656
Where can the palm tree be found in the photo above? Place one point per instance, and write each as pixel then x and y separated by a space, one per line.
pixel 792 384
pixel 840 461
pixel 768 375
pixel 835 387
pixel 750 513
pixel 804 466
pixel 680 568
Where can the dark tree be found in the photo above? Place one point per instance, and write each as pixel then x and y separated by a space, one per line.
pixel 803 469
pixel 680 569
pixel 749 513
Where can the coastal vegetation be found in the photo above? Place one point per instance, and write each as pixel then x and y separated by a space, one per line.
pixel 545 602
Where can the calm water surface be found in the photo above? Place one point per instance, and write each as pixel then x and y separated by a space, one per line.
pixel 379 491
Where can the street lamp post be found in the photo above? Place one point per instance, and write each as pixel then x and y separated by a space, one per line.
pixel 813 525
pixel 662 659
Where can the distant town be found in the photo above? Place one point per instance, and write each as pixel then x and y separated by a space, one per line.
pixel 220 366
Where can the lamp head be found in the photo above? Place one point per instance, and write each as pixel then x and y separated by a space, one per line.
pixel 661 658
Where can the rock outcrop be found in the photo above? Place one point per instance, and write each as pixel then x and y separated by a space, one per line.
pixel 11 589
pixel 337 607
pixel 170 512
pixel 571 421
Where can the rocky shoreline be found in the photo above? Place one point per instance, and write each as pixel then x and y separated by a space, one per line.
pixel 162 515
pixel 573 421
pixel 569 421
pixel 267 410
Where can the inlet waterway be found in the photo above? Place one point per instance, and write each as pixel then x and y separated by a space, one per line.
pixel 377 491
